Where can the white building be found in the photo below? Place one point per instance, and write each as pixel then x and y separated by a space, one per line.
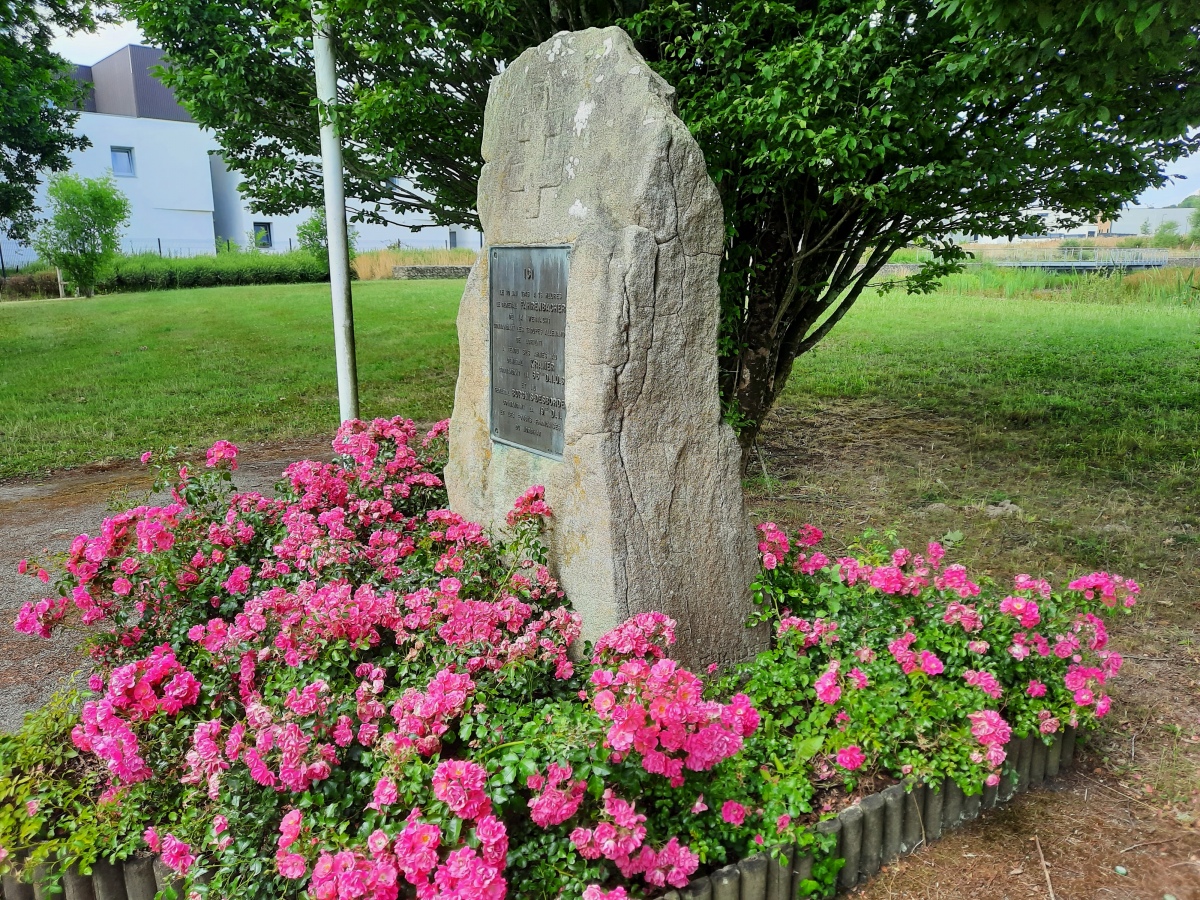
pixel 183 199
pixel 1129 222
pixel 1057 226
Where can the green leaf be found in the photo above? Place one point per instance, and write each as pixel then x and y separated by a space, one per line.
pixel 808 748
pixel 1145 17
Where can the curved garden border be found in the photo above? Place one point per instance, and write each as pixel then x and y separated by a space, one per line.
pixel 884 826
pixel 873 832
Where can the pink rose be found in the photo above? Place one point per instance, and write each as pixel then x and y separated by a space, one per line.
pixel 851 758
pixel 289 828
pixel 291 865
pixel 733 812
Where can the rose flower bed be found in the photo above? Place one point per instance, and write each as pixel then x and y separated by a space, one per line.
pixel 349 691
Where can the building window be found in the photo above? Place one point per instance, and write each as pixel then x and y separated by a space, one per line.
pixel 453 240
pixel 122 161
pixel 262 235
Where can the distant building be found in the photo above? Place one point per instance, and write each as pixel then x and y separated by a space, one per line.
pixel 1146 220
pixel 1057 226
pixel 183 198
pixel 1130 222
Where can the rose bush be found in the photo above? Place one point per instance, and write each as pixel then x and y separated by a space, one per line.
pixel 889 662
pixel 348 690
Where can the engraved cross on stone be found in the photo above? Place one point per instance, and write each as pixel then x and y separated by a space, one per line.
pixel 541 154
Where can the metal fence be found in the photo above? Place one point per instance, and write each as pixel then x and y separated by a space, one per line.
pixel 1100 257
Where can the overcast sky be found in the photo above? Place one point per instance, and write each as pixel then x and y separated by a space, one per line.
pixel 87 49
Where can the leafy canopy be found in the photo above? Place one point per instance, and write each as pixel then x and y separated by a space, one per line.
pixel 39 103
pixel 83 231
pixel 836 130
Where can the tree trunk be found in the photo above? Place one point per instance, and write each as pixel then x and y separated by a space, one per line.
pixel 790 301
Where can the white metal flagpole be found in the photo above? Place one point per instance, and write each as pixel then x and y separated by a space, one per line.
pixel 335 219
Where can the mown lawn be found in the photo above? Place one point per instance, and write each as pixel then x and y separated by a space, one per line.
pixel 1089 386
pixel 84 380
pixel 1111 389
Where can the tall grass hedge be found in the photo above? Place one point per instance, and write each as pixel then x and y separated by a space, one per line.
pixel 149 272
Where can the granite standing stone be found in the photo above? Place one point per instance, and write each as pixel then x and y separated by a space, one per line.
pixel 582 149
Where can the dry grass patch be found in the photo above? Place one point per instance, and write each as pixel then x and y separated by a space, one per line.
pixel 377 264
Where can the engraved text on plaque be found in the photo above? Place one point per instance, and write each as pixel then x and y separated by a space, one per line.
pixel 528 289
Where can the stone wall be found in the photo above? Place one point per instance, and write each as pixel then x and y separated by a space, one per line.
pixel 404 272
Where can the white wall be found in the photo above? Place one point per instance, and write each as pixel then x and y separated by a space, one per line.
pixel 235 222
pixel 170 192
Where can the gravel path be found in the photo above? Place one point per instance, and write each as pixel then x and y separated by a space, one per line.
pixel 40 518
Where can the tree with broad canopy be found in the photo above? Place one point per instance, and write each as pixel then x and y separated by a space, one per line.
pixel 82 233
pixel 836 130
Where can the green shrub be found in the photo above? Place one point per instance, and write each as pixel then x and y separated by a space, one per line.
pixel 40 769
pixel 1167 234
pixel 149 272
pixel 83 232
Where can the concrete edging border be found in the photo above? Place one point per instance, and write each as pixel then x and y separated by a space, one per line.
pixel 875 831
pixel 880 828
pixel 410 272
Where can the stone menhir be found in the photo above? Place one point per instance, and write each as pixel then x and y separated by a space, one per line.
pixel 583 151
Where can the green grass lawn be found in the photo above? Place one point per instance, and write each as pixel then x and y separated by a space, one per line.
pixel 1091 386
pixel 82 380
pixel 1114 389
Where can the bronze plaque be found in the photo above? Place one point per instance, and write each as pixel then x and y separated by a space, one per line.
pixel 528 290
